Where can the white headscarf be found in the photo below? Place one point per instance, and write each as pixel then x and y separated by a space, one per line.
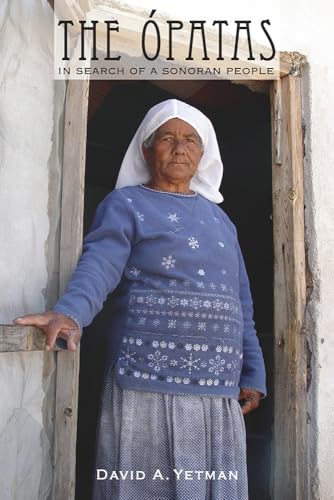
pixel 207 179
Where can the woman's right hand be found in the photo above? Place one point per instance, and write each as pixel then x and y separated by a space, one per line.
pixel 54 325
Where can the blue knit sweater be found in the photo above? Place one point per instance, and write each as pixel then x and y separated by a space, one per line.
pixel 184 308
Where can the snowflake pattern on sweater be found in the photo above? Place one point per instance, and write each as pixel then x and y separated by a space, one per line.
pixel 184 309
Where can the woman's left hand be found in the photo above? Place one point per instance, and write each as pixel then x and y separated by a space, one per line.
pixel 250 400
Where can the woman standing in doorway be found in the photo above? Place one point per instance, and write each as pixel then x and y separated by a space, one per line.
pixel 186 343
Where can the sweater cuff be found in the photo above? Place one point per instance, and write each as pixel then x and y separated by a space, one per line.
pixel 61 343
pixel 75 321
pixel 65 312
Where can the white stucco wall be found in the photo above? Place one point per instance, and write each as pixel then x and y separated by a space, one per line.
pixel 25 143
pixel 27 134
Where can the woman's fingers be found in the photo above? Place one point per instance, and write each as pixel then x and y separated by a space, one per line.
pixel 247 406
pixel 62 328
pixel 39 320
pixel 54 325
pixel 250 400
pixel 71 336
pixel 71 342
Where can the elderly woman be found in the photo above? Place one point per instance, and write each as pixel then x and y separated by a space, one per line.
pixel 186 343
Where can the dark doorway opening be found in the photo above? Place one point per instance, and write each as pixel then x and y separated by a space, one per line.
pixel 241 118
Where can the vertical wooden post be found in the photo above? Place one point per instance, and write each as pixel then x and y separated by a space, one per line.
pixel 72 206
pixel 290 451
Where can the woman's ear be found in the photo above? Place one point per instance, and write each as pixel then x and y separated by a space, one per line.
pixel 146 153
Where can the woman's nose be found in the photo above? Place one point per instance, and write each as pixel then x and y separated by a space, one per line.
pixel 179 146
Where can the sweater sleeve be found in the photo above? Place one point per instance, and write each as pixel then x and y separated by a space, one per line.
pixel 253 369
pixel 106 250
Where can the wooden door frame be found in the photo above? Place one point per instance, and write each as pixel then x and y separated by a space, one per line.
pixel 71 235
pixel 290 467
pixel 290 447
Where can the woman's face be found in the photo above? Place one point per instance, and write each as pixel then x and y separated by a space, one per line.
pixel 175 152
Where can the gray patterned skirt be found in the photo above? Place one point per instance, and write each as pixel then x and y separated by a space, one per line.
pixel 154 446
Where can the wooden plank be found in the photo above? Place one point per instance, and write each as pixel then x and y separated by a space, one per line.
pixel 290 470
pixel 277 142
pixel 21 338
pixel 70 248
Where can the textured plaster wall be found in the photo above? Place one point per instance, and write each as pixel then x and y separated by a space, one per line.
pixel 26 426
pixel 25 145
pixel 30 113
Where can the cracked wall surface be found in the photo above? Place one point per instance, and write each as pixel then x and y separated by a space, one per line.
pixel 30 144
pixel 25 145
pixel 25 437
